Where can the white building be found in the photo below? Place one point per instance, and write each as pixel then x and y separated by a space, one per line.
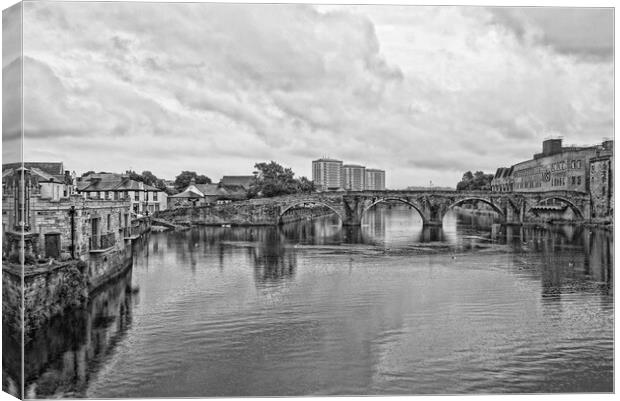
pixel 144 198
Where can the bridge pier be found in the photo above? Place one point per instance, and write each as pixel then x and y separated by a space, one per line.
pixel 354 221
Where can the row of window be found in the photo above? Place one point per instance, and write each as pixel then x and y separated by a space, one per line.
pixel 555 182
pixel 559 166
pixel 120 195
pixel 564 164
pixel 529 184
pixel 560 181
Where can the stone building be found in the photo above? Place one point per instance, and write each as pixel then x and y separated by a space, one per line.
pixel 601 183
pixel 144 198
pixel 59 228
pixel 556 168
pixel 502 180
pixel 586 169
pixel 207 194
pixel 58 248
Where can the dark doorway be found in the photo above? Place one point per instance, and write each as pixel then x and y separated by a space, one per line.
pixel 52 245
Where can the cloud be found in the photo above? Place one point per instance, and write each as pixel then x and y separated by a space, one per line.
pixel 586 32
pixel 422 92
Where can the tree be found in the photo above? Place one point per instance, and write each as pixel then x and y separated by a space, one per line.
pixel 272 179
pixel 87 173
pixel 134 176
pixel 183 180
pixel 473 182
pixel 306 185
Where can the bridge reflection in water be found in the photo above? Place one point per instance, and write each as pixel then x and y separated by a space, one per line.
pixel 74 348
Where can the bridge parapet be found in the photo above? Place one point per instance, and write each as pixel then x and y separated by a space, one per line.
pixel 513 207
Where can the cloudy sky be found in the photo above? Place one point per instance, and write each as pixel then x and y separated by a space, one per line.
pixel 425 93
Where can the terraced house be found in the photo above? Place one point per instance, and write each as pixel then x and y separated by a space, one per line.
pixel 145 199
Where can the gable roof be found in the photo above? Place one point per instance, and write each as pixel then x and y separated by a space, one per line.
pixel 41 175
pixel 205 189
pixel 112 182
pixel 242 180
pixel 188 193
pixel 51 168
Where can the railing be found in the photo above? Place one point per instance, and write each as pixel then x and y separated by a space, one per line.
pixel 102 241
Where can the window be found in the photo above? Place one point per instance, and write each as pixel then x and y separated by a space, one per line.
pixel 578 163
pixel 115 195
pixel 572 180
pixel 109 222
pixel 579 180
pixel 155 196
pixel 136 195
pixel 572 164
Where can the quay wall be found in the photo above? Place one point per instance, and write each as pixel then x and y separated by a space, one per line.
pixel 48 290
pixel 55 286
pixel 237 214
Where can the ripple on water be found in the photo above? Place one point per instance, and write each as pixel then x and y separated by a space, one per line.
pixel 382 310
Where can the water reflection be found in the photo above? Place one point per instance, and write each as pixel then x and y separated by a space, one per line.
pixel 61 356
pixel 356 308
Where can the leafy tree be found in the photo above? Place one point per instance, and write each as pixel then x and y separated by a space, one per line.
pixel 134 176
pixel 149 179
pixel 477 181
pixel 183 180
pixel 87 173
pixel 306 185
pixel 272 179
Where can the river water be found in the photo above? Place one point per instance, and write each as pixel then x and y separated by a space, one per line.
pixel 314 308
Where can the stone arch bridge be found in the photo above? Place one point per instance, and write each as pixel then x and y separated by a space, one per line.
pixel 513 207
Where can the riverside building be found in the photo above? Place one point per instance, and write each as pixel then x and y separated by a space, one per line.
pixel 587 169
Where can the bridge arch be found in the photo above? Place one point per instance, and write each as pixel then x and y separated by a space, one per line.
pixel 405 201
pixel 306 201
pixel 570 204
pixel 477 199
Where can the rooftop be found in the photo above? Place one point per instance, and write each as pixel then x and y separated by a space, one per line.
pixel 326 160
pixel 52 168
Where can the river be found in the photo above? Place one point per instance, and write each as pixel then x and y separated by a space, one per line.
pixel 314 308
